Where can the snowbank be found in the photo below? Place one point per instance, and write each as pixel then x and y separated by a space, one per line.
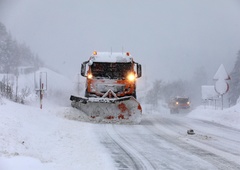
pixel 228 117
pixel 31 138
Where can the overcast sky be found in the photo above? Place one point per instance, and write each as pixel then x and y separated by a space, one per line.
pixel 170 38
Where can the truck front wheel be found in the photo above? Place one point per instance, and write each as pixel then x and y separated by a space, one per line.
pixel 86 93
pixel 134 94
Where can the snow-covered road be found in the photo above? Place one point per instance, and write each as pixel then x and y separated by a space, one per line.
pixel 162 142
pixel 54 138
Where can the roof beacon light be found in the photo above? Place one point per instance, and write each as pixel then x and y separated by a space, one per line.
pixel 94 52
pixel 128 53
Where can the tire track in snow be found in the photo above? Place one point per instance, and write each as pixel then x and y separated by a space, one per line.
pixel 122 158
pixel 125 155
pixel 201 150
pixel 225 142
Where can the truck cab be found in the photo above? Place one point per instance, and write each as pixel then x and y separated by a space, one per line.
pixel 107 71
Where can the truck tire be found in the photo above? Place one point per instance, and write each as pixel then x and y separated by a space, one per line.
pixel 134 95
pixel 86 93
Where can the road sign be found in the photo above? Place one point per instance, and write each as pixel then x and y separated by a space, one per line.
pixel 221 74
pixel 221 86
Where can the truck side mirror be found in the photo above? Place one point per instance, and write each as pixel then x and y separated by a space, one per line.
pixel 139 70
pixel 83 69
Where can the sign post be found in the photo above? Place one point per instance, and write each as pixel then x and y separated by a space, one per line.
pixel 221 86
pixel 41 88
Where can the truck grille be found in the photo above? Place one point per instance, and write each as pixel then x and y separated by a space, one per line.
pixel 114 87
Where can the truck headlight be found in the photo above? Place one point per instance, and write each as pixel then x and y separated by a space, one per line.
pixel 89 76
pixel 131 77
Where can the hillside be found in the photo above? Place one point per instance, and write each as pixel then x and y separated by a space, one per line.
pixel 26 86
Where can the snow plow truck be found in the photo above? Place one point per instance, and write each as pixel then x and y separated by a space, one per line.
pixel 110 92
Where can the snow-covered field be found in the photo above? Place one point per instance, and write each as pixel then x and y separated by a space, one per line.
pixel 31 138
pixel 34 138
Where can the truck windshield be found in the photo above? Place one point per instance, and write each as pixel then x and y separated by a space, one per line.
pixel 111 70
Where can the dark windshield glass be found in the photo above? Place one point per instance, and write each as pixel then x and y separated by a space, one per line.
pixel 182 100
pixel 111 70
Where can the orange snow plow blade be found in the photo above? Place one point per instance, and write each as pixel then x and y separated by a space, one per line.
pixel 106 109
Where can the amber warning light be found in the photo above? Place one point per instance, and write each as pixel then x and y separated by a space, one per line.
pixel 94 52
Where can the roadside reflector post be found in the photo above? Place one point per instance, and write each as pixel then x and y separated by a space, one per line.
pixel 39 87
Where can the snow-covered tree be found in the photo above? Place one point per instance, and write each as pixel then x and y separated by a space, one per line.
pixel 165 91
pixel 154 94
pixel 14 54
pixel 3 46
pixel 173 89
pixel 234 90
